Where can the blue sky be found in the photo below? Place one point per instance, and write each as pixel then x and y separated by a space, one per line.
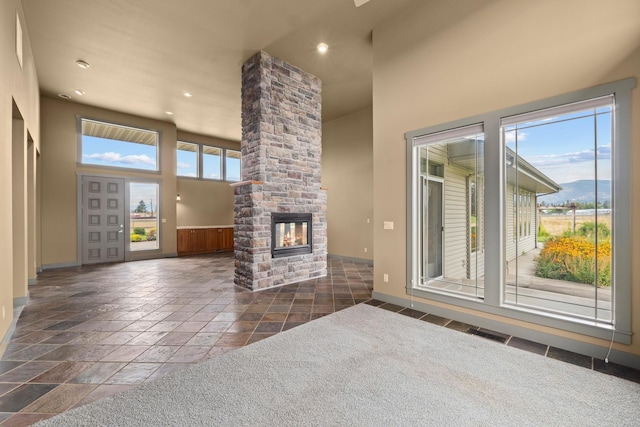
pixel 211 166
pixel 109 152
pixel 147 192
pixel 565 151
pixel 187 163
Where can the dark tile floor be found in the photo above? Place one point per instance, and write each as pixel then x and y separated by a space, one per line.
pixel 534 347
pixel 90 332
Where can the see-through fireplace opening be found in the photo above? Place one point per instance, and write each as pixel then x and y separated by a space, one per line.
pixel 291 234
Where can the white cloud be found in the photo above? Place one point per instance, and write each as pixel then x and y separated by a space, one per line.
pixel 573 166
pixel 568 159
pixel 132 159
pixel 510 136
pixel 183 165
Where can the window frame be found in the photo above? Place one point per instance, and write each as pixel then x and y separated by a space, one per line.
pixel 436 172
pixel 198 166
pixel 223 162
pixel 495 217
pixel 159 228
pixel 79 152
pixel 226 177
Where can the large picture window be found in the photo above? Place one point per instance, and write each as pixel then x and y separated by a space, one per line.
pixel 562 175
pixel 116 146
pixel 450 210
pixel 524 212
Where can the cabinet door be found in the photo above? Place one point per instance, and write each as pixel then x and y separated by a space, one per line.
pixel 199 240
pixel 212 239
pixel 227 239
pixel 184 242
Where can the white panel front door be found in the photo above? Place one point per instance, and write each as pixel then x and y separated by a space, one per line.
pixel 103 236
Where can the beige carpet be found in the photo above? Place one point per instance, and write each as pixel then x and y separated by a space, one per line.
pixel 365 366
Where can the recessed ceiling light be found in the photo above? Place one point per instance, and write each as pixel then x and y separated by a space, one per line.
pixel 323 47
pixel 82 64
pixel 79 92
pixel 63 96
pixel 169 113
pixel 188 94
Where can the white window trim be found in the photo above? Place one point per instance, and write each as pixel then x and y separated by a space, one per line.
pixel 495 216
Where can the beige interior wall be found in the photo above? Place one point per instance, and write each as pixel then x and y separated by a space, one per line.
pixel 38 227
pixel 435 63
pixel 19 207
pixel 347 171
pixel 60 173
pixel 32 204
pixel 204 202
pixel 19 85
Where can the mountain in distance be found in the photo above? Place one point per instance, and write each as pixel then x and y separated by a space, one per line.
pixel 582 191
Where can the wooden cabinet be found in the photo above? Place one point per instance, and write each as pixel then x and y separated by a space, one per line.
pixel 183 241
pixel 213 239
pixel 198 240
pixel 226 239
pixel 204 240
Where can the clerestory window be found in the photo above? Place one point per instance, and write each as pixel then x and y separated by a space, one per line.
pixel 208 162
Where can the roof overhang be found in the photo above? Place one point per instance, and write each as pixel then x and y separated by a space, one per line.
pixel 465 153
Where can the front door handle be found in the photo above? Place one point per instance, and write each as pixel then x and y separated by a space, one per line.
pixel 121 228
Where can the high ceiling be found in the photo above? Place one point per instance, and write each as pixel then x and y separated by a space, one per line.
pixel 144 54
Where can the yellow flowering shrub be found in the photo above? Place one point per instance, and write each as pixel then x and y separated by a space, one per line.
pixel 574 259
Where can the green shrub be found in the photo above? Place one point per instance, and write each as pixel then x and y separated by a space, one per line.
pixel 136 237
pixel 543 234
pixel 139 230
pixel 551 269
pixel 588 230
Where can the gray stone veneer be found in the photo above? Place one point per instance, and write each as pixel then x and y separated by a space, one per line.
pixel 281 149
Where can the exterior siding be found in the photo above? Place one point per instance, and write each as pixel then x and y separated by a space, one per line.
pixel 455 223
pixel 516 245
pixel 476 259
pixel 457 264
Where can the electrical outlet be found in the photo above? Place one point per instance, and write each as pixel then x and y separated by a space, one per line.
pixel 368 220
pixel 365 250
pixel 388 225
pixel 385 277
pixel 3 312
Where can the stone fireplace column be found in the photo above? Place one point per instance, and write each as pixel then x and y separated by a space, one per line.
pixel 281 150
